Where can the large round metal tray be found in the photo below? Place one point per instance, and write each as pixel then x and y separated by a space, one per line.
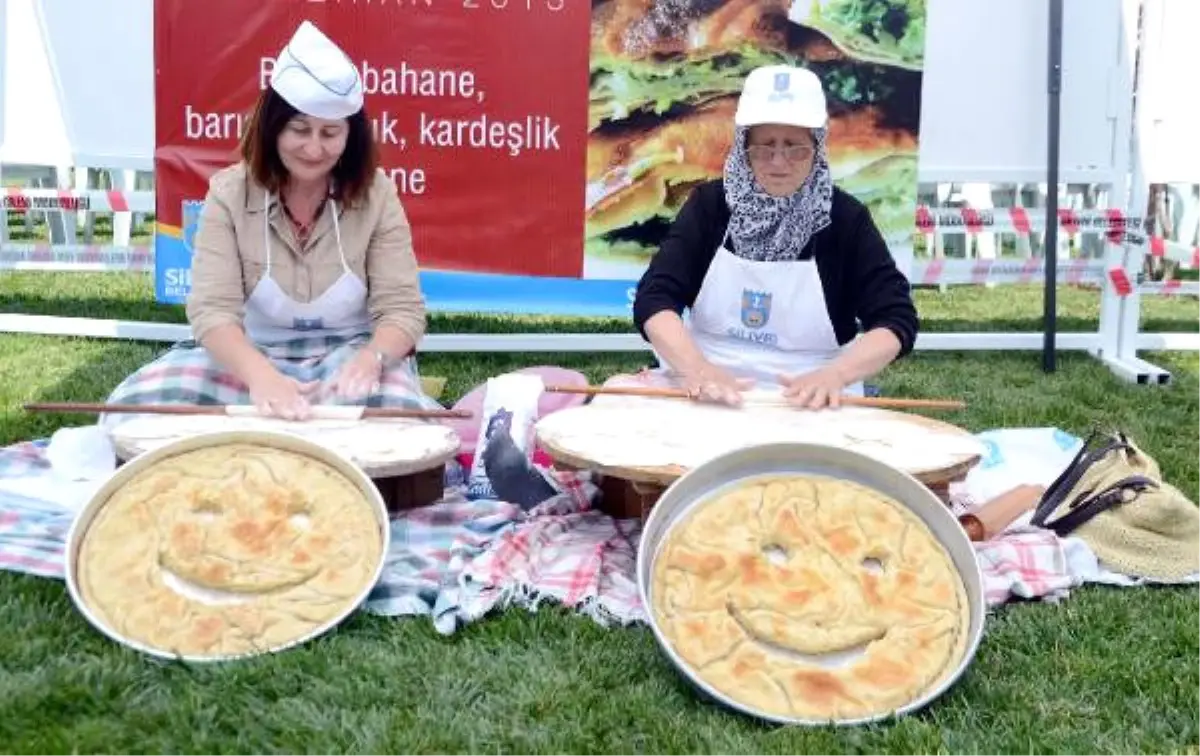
pixel 719 474
pixel 271 439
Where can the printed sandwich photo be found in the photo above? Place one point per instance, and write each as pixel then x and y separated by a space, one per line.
pixel 665 80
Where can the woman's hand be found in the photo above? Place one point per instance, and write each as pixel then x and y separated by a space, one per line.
pixel 815 390
pixel 359 376
pixel 277 395
pixel 709 383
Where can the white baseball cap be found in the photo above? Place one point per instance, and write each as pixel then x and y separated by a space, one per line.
pixel 316 77
pixel 783 95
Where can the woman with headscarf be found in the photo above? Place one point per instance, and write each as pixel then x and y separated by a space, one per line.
pixel 776 266
pixel 304 279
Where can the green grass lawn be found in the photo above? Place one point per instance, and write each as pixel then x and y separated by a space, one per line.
pixel 1108 670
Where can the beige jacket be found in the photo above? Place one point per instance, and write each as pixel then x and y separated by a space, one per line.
pixel 228 256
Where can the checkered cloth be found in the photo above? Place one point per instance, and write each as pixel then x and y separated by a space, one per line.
pixel 31 539
pixel 26 458
pixel 587 560
pixel 186 374
pixel 430 574
pixel 430 551
pixel 1025 563
pixel 429 548
pixel 457 560
pixel 562 551
pixel 32 534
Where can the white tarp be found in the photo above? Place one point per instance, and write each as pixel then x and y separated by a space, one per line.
pixel 79 83
pixel 102 57
pixel 34 130
pixel 3 67
pixel 983 105
pixel 1168 103
pixel 983 100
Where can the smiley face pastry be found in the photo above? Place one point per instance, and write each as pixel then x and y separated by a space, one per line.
pixel 228 550
pixel 810 597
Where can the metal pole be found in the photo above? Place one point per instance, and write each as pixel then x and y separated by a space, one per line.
pixel 1054 87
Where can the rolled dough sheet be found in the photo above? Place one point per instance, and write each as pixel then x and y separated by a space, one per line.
pixel 374 443
pixel 639 432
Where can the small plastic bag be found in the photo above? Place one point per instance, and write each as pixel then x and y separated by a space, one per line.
pixel 83 453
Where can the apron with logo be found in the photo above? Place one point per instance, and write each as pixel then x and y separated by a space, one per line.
pixel 272 317
pixel 763 319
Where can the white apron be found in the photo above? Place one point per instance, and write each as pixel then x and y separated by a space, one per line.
pixel 764 319
pixel 273 317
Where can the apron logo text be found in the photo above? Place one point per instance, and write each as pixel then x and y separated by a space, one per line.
pixel 308 324
pixel 756 308
pixel 766 339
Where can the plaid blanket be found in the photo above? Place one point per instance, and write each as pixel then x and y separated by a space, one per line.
pixel 1025 563
pixel 423 574
pixel 458 560
pixel 186 374
pixel 430 572
pixel 587 560
pixel 582 559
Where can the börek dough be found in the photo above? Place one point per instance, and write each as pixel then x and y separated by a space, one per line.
pixel 810 597
pixel 228 550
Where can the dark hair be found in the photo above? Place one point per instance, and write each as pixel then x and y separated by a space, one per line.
pixel 353 173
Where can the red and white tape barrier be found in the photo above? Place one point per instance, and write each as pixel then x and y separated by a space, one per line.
pixel 80 257
pixel 1170 288
pixel 1020 220
pixel 958 271
pixel 1117 227
pixel 21 200
pixel 1187 257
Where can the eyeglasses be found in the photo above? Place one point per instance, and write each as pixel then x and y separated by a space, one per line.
pixel 764 153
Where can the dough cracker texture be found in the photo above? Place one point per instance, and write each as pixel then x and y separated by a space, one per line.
pixel 810 597
pixel 228 550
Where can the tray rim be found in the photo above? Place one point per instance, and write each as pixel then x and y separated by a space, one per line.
pixel 268 438
pixel 665 475
pixel 730 469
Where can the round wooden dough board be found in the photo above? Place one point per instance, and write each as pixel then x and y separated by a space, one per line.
pixel 382 448
pixel 563 435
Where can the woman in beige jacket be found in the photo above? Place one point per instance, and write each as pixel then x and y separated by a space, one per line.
pixel 304 281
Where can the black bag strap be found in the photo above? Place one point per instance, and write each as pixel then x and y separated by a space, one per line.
pixel 1057 491
pixel 1089 504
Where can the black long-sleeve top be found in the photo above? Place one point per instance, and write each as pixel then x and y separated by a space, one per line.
pixel 858 275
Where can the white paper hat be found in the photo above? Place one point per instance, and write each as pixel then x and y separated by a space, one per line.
pixel 316 77
pixel 783 95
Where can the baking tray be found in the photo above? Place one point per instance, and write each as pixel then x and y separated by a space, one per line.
pixel 721 473
pixel 273 439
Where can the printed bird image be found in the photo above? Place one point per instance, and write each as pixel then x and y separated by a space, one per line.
pixel 513 477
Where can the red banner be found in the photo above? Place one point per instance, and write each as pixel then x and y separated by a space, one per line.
pixel 480 108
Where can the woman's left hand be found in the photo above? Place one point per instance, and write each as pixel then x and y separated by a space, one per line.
pixel 815 390
pixel 358 377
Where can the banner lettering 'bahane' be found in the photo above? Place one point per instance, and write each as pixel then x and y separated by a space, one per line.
pixel 541 148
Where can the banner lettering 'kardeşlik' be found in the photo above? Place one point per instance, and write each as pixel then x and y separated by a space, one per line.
pixel 541 148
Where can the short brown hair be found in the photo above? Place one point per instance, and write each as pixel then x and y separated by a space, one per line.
pixel 352 175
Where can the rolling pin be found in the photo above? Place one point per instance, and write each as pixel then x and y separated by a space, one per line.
pixel 990 519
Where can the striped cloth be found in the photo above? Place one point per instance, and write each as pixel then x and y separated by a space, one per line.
pixel 587 560
pixel 186 374
pixel 575 557
pixel 32 533
pixel 458 560
pixel 431 547
pixel 1025 563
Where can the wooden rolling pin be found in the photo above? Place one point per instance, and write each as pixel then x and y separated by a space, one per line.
pixel 672 393
pixel 319 411
pixel 990 519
